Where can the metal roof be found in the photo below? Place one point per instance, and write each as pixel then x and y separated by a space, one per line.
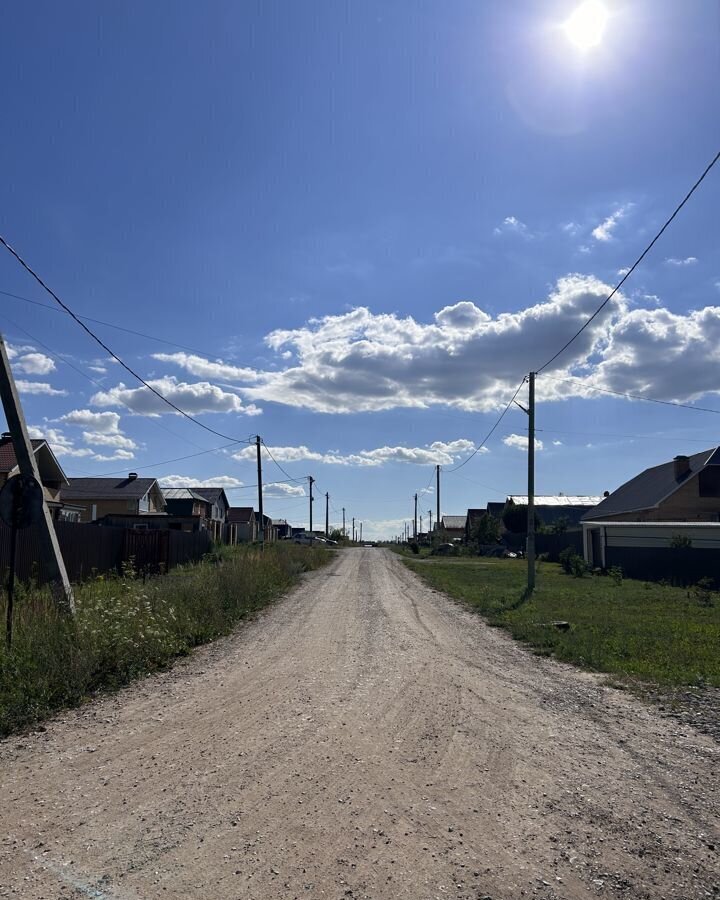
pixel 602 523
pixel 648 489
pixel 556 500
pixel 454 521
pixel 240 514
pixel 182 494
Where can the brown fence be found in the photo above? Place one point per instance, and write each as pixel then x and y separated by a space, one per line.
pixel 93 550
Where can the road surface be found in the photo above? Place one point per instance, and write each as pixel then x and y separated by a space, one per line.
pixel 364 738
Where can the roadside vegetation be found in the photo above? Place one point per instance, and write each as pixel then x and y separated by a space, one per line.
pixel 635 630
pixel 128 626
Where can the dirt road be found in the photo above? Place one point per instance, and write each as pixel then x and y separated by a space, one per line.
pixel 364 738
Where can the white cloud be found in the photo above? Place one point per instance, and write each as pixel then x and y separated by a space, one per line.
pixel 521 442
pixel 34 364
pixel 439 452
pixel 555 444
pixel 38 387
pixel 60 444
pixel 604 231
pixel 623 272
pixel 511 225
pixel 282 490
pixel 223 481
pixel 199 397
pixel 570 228
pixel 109 440
pixel 98 422
pixel 687 261
pixel 205 368
pixel 117 455
pixel 360 362
pixel 99 370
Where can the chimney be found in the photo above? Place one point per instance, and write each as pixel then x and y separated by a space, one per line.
pixel 6 436
pixel 681 466
pixel 606 493
pixel 132 476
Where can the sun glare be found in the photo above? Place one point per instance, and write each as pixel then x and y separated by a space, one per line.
pixel 586 26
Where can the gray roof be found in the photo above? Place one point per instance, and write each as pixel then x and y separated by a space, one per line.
pixel 556 500
pixel 454 521
pixel 107 488
pixel 241 514
pixel 651 487
pixel 182 494
pixel 212 494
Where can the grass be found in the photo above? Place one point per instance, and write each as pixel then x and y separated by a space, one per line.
pixel 634 630
pixel 125 626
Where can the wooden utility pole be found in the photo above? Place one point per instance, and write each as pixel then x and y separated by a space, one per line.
pixel 430 514
pixel 353 529
pixel 327 514
pixel 415 520
pixel 344 535
pixel 54 564
pixel 530 549
pixel 361 532
pixel 311 481
pixel 258 445
pixel 437 497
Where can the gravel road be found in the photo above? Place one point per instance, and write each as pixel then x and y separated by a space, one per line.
pixel 363 738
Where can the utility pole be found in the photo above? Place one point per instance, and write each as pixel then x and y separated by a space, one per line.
pixel 421 523
pixel 27 464
pixel 258 446
pixel 353 530
pixel 430 514
pixel 530 550
pixel 344 535
pixel 361 532
pixel 327 514
pixel 311 481
pixel 437 497
pixel 415 520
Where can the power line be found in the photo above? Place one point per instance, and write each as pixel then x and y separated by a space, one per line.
pixel 633 396
pixel 107 349
pixel 644 437
pixel 490 433
pixel 167 462
pixel 63 359
pixel 284 471
pixel 142 334
pixel 633 266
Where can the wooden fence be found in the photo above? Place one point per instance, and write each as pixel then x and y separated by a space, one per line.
pixel 90 550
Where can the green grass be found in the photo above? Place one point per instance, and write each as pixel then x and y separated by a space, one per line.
pixel 126 627
pixel 635 630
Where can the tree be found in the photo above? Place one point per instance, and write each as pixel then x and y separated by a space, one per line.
pixel 337 535
pixel 485 530
pixel 560 525
pixel 515 516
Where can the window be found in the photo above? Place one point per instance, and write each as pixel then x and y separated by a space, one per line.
pixel 144 504
pixel 709 482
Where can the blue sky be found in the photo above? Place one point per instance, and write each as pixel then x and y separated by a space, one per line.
pixel 357 225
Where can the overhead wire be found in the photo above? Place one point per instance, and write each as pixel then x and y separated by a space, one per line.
pixel 631 396
pixel 107 349
pixel 633 266
pixel 142 334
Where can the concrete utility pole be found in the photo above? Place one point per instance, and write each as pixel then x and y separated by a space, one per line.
pixel 430 515
pixel 327 514
pixel 258 446
pixel 353 530
pixel 437 497
pixel 415 520
pixel 531 486
pixel 344 535
pixel 54 563
pixel 311 481
pixel 361 532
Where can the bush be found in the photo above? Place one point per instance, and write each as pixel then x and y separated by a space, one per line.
pixel 572 563
pixel 414 546
pixel 680 542
pixel 515 517
pixel 564 558
pixel 127 626
pixel 616 573
pixel 703 592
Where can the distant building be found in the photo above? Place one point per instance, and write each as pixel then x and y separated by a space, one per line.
pixel 99 497
pixel 283 528
pixel 551 508
pixel 454 527
pixel 243 517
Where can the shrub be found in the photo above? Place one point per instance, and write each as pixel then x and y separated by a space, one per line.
pixel 564 558
pixel 680 542
pixel 703 592
pixel 616 573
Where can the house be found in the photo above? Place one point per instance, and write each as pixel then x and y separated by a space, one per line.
pixel 243 518
pixel 219 509
pixel 52 477
pixel 453 527
pixel 266 531
pixel 99 497
pixel 551 508
pixel 186 502
pixel 283 528
pixel 684 489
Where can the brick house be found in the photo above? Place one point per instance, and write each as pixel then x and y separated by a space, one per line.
pixel 100 497
pixel 52 476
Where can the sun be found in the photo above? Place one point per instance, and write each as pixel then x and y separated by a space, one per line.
pixel 586 25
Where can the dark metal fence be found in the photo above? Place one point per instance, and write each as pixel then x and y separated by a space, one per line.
pixel 552 544
pixel 677 565
pixel 90 550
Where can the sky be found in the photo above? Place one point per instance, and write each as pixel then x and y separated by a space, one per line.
pixel 352 228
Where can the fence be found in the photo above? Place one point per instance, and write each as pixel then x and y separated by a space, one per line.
pixel 92 549
pixel 677 565
pixel 552 544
